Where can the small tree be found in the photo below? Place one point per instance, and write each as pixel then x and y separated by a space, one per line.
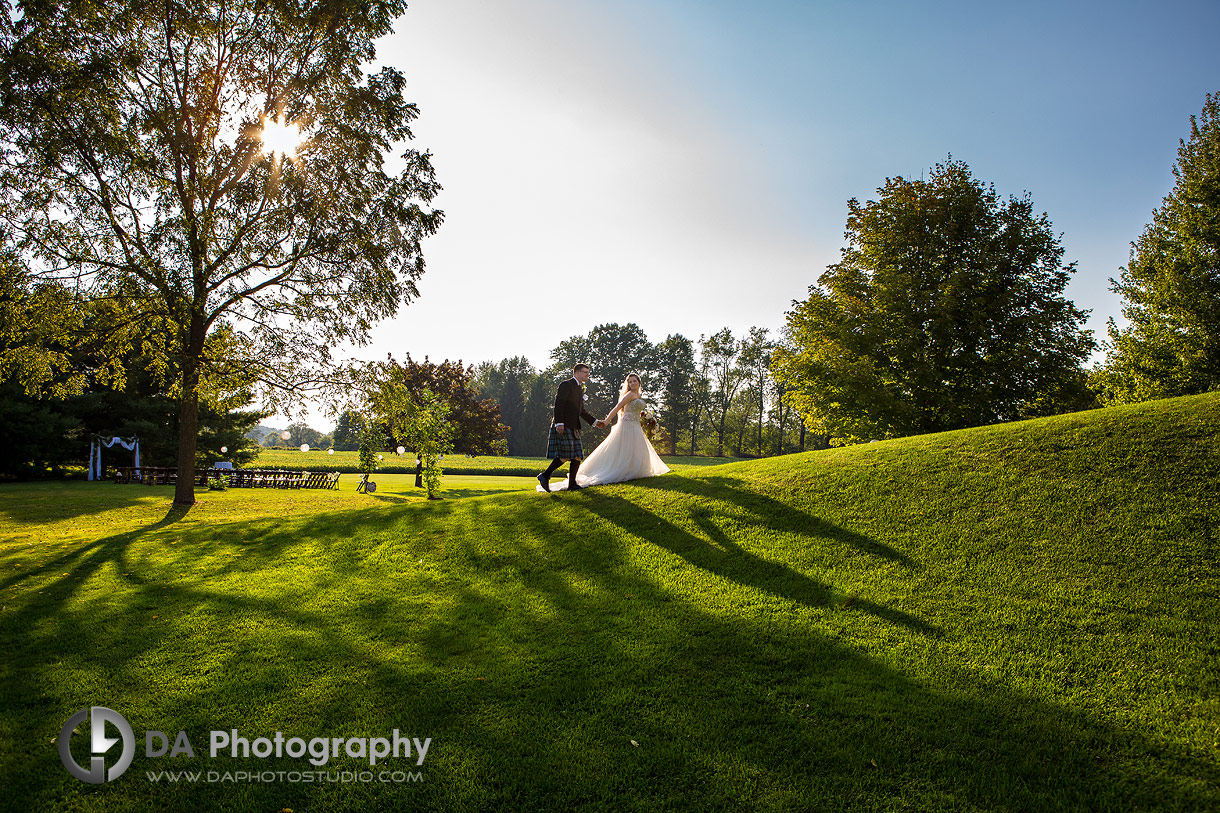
pixel 371 440
pixel 946 311
pixel 1171 286
pixel 415 416
pixel 429 432
pixel 476 421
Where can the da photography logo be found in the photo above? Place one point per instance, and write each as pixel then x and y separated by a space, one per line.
pixel 100 745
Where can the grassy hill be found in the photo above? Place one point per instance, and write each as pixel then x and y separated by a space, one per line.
pixel 1016 617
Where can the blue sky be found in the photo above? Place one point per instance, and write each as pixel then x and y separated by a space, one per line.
pixel 685 164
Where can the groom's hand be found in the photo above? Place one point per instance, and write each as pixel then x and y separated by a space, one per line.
pixel 559 427
pixel 600 424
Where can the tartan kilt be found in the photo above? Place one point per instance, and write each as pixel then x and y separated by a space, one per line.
pixel 566 445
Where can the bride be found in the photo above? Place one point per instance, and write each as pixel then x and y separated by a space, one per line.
pixel 626 453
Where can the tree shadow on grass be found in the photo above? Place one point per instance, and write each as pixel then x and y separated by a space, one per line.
pixel 717 553
pixel 66 500
pixel 770 512
pixel 88 558
pixel 391 499
pixel 549 671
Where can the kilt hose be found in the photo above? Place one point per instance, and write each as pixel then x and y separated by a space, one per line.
pixel 566 445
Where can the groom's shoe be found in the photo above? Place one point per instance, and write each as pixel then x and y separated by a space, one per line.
pixel 545 482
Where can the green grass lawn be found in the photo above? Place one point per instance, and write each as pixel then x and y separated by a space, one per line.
pixel 455 464
pixel 1016 617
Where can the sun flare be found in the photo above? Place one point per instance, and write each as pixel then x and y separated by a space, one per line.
pixel 281 138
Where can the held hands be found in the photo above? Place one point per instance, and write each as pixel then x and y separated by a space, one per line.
pixel 601 424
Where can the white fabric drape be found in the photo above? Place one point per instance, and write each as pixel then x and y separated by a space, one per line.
pixel 95 452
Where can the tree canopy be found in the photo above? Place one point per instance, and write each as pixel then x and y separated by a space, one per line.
pixel 1171 286
pixel 612 351
pixel 217 165
pixel 396 390
pixel 945 311
pixel 676 374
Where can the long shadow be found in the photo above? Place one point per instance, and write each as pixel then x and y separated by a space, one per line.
pixel 72 499
pixel 390 499
pixel 721 555
pixel 549 673
pixel 770 512
pixel 97 553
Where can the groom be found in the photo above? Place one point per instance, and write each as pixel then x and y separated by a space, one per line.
pixel 564 441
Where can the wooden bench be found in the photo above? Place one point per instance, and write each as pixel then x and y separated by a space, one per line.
pixel 238 478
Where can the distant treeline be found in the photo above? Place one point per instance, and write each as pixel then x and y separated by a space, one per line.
pixel 713 396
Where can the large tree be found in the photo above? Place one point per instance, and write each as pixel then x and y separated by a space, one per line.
pixel 945 311
pixel 611 351
pixel 216 163
pixel 525 397
pixel 756 351
pixel 675 381
pixel 721 353
pixel 389 385
pixel 1171 286
pixel 346 436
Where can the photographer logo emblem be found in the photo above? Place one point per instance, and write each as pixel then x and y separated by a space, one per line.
pixel 100 745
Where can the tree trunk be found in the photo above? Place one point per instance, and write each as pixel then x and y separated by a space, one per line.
pixel 188 415
pixel 762 395
pixel 802 433
pixel 779 433
pixel 779 441
pixel 188 432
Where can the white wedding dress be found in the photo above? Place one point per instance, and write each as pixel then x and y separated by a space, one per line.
pixel 625 454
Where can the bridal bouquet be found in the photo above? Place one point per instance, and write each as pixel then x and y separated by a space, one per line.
pixel 649 422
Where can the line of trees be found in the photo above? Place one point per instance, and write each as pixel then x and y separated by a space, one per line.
pixel 119 389
pixel 947 310
pixel 714 395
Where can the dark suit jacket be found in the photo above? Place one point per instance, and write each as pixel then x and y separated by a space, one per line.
pixel 570 405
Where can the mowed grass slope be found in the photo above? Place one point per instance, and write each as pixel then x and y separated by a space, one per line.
pixel 1017 617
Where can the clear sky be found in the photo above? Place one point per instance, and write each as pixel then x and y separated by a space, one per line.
pixel 685 164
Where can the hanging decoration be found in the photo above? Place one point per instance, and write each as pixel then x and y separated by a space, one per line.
pixel 95 452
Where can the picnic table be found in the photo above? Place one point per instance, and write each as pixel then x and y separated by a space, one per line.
pixel 238 478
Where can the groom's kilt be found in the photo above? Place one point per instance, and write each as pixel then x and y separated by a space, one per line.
pixel 565 445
